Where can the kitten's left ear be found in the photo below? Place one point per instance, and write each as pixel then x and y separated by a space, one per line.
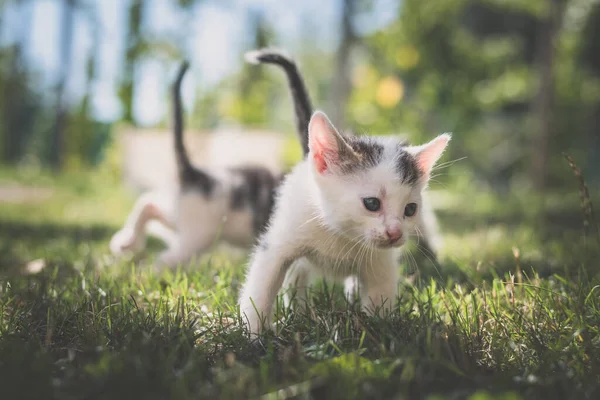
pixel 428 154
pixel 327 147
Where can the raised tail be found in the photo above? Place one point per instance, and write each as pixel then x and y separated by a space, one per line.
pixel 300 97
pixel 184 166
pixel 189 176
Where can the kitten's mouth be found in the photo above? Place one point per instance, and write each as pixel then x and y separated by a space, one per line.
pixel 390 243
pixel 394 242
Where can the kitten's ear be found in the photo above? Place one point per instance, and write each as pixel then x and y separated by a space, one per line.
pixel 428 154
pixel 325 143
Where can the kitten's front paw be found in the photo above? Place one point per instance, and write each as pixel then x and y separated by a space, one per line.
pixel 252 322
pixel 351 288
pixel 125 241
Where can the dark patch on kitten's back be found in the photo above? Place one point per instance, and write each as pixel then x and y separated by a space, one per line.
pixel 198 180
pixel 256 190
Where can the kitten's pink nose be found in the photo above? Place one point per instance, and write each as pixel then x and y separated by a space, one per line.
pixel 394 234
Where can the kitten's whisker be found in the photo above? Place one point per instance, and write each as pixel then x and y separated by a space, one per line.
pixel 315 216
pixel 339 259
pixel 362 254
pixel 361 242
pixel 406 258
pixel 332 239
pixel 435 265
pixel 447 164
pixel 430 257
pixel 372 251
pixel 417 267
pixel 421 249
pixel 444 185
pixel 419 234
pixel 355 260
pixel 355 266
pixel 431 253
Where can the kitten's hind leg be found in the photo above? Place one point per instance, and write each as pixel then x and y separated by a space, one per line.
pixel 163 232
pixel 183 248
pixel 198 229
pixel 132 238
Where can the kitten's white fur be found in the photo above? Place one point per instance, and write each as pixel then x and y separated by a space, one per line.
pixel 320 226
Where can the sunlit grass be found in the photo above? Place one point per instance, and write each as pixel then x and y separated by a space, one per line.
pixel 512 311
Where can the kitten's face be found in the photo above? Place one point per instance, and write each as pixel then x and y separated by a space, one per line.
pixel 370 187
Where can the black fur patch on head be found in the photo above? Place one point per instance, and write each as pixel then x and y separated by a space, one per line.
pixel 256 190
pixel 366 153
pixel 406 166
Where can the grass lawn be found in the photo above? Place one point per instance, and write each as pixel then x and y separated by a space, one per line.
pixel 511 312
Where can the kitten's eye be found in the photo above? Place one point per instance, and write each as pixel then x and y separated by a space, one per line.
pixel 372 203
pixel 410 209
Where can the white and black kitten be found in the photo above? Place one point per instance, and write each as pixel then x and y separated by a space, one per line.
pixel 233 203
pixel 343 212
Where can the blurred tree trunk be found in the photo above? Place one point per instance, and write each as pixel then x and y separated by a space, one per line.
pixel 83 147
pixel 57 146
pixel 15 121
pixel 17 105
pixel 133 50
pixel 91 62
pixel 543 103
pixel 342 84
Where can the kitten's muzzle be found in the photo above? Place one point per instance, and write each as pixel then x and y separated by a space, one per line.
pixel 393 235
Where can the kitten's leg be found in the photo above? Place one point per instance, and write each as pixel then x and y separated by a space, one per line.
pixel 430 240
pixel 381 283
pixel 150 206
pixel 176 254
pixel 187 245
pixel 297 282
pixel 352 288
pixel 266 271
pixel 163 232
pixel 198 224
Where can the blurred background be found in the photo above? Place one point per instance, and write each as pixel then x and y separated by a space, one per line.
pixel 516 81
pixel 85 101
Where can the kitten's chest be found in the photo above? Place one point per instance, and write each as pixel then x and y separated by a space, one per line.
pixel 341 257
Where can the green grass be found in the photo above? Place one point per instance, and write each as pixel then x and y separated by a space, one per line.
pixel 511 312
